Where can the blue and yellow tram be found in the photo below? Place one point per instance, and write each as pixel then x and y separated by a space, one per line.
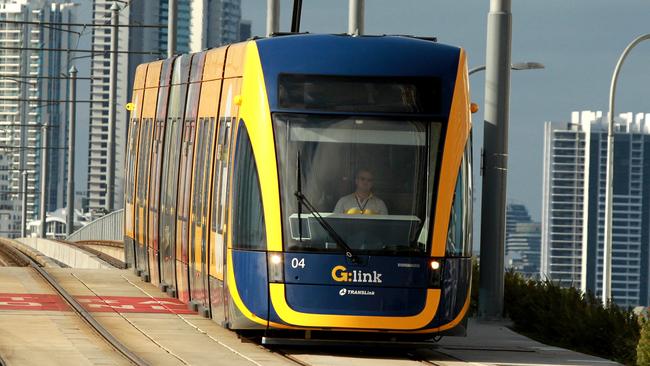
pixel 306 182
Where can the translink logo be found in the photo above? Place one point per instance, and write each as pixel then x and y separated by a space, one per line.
pixel 341 274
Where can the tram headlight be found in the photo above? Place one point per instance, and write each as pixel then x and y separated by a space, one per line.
pixel 276 272
pixel 435 277
pixel 435 264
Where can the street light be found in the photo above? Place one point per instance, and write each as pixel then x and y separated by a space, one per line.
pixel 272 17
pixel 607 250
pixel 72 120
pixel 494 286
pixel 356 23
pixel 530 65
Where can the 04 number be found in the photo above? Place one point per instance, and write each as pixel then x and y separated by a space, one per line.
pixel 295 262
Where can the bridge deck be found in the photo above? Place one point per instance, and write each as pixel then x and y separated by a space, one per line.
pixel 164 332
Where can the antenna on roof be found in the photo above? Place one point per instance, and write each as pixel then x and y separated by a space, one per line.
pixel 295 17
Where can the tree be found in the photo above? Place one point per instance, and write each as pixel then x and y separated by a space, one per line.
pixel 643 348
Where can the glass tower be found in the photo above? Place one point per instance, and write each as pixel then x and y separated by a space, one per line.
pixel 575 156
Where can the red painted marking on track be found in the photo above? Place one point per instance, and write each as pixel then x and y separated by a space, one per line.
pixel 32 302
pixel 125 304
pixel 120 304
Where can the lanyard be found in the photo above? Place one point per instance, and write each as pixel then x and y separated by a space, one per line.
pixel 365 202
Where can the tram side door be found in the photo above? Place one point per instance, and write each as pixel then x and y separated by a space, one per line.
pixel 218 245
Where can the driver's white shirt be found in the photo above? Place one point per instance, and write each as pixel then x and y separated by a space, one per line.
pixel 373 204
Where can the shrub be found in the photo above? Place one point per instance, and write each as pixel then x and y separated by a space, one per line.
pixel 643 348
pixel 567 318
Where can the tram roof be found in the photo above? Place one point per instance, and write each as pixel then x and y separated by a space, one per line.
pixel 357 55
pixel 345 55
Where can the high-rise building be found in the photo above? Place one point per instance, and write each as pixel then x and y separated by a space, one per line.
pixel 516 213
pixel 245 30
pixel 30 74
pixel 201 24
pixel 130 39
pixel 575 156
pixel 214 23
pixel 8 220
pixel 183 13
pixel 523 237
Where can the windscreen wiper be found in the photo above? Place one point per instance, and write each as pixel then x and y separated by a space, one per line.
pixel 302 200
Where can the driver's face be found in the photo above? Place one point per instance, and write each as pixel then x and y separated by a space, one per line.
pixel 364 181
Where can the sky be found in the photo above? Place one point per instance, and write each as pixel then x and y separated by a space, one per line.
pixel 578 41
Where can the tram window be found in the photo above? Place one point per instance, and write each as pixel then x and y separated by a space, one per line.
pixel 171 188
pixel 455 236
pixel 248 215
pixel 332 151
pixel 198 169
pixel 222 156
pixel 208 165
pixel 215 195
pixel 469 196
pixel 143 158
pixel 133 138
pixel 360 94
pixel 460 219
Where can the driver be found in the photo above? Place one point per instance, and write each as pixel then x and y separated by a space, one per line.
pixel 362 201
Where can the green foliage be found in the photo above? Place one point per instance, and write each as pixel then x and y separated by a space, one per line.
pixel 643 348
pixel 567 318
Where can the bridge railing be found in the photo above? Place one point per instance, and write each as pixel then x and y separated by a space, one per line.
pixel 108 227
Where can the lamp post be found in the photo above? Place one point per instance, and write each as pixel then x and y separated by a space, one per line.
pixel 494 287
pixel 71 143
pixel 112 108
pixel 607 250
pixel 356 24
pixel 44 181
pixel 23 217
pixel 495 162
pixel 530 65
pixel 272 17
pixel 171 28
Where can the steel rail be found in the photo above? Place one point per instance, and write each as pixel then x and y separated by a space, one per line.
pixel 9 253
pixel 83 313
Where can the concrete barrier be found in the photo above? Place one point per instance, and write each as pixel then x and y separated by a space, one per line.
pixel 117 253
pixel 40 258
pixel 67 254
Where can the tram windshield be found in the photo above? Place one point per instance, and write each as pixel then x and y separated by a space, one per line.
pixel 370 179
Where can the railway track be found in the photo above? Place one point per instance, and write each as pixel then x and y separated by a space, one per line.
pixel 364 356
pixel 10 252
pixel 10 258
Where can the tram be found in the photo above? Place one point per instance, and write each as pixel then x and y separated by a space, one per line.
pixel 306 184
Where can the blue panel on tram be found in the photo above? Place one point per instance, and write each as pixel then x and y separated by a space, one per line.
pixel 251 277
pixel 354 300
pixel 334 269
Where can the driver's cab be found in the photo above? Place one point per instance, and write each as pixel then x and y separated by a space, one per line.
pixel 378 132
pixel 401 153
